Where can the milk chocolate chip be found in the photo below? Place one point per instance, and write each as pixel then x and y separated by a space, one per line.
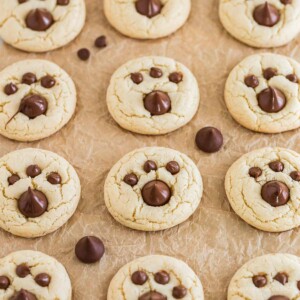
pixel 22 270
pixel 285 2
pixel 156 193
pixel 282 277
pixel 255 172
pixel 266 15
pixel 22 1
pixel 275 193
pixel 173 167
pixel 292 78
pixel 156 72
pixel 131 179
pixel 33 106
pixel 251 81
pixel 209 139
pixel 33 171
pixel 48 82
pixel 149 166
pixel 295 175
pixel 39 19
pixel 139 277
pixel 13 179
pixel 175 77
pixel 54 178
pixel 42 279
pixel 276 166
pixel 269 73
pixel 29 78
pixel 260 280
pixel 100 42
pixel 84 53
pixel 148 8
pixel 63 2
pixel 152 296
pixel 271 100
pixel 179 292
pixel 10 89
pixel 4 282
pixel 162 277
pixel 157 103
pixel 23 295
pixel 279 298
pixel 137 78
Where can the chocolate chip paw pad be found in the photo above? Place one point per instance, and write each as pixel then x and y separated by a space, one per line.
pixel 153 189
pixel 261 93
pixel 152 95
pixel 263 188
pixel 32 275
pixel 37 98
pixel 155 277
pixel 39 192
pixel 39 26
pixel 268 277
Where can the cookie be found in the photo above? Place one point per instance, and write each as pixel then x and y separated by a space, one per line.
pixel 147 19
pixel 153 95
pixel 261 93
pixel 260 23
pixel 33 275
pixel 153 189
pixel 37 98
pixel 155 277
pixel 268 277
pixel 39 192
pixel 263 188
pixel 39 26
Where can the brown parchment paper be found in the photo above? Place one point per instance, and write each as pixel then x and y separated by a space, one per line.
pixel 214 241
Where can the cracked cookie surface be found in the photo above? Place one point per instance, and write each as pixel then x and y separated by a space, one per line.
pixel 23 119
pixel 27 213
pixel 39 26
pixel 33 273
pixel 153 188
pixel 163 276
pixel 152 95
pixel 262 93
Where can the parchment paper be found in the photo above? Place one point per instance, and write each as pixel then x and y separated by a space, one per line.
pixel 214 241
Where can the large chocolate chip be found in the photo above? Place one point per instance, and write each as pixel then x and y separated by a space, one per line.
pixel 251 81
pixel 255 172
pixel 156 193
pixel 63 2
pixel 162 277
pixel 22 270
pixel 179 292
pixel 295 175
pixel 260 280
pixel 42 279
pixel 276 166
pixel 271 100
pixel 89 249
pixel 148 8
pixel 282 277
pixel 266 15
pixel 139 277
pixel 33 106
pixel 131 179
pixel 149 166
pixel 10 89
pixel 173 167
pixel 23 295
pixel 33 171
pixel 48 82
pixel 137 78
pixel 277 297
pixel 156 72
pixel 157 103
pixel 100 41
pixel 209 139
pixel 13 179
pixel 29 78
pixel 39 19
pixel 292 78
pixel 275 193
pixel 152 296
pixel 175 77
pixel 32 203
pixel 4 282
pixel 269 73
pixel 54 178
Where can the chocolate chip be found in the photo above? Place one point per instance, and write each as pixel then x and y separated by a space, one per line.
pixel 255 172
pixel 282 277
pixel 266 15
pixel 292 78
pixel 156 193
pixel 137 78
pixel 48 82
pixel 29 78
pixel 271 100
pixel 10 89
pixel 175 77
pixel 54 178
pixel 33 171
pixel 84 53
pixel 276 166
pixel 100 41
pixel 39 19
pixel 298 285
pixel 42 279
pixel 277 297
pixel 157 103
pixel 285 2
pixel 251 81
pixel 162 277
pixel 89 249
pixel 149 166
pixel 139 277
pixel 209 139
pixel 63 2
pixel 260 280
pixel 156 72
pixel 22 1
pixel 131 179
pixel 148 8
pixel 22 270
pixel 32 203
pixel 23 295
pixel 152 296
pixel 295 175
pixel 173 167
pixel 13 179
pixel 275 193
pixel 269 73
pixel 4 282
pixel 33 106
pixel 179 292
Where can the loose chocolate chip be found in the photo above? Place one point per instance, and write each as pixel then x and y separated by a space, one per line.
pixel 260 280
pixel 39 19
pixel 285 2
pixel 23 295
pixel 152 296
pixel 29 78
pixel 292 78
pixel 139 277
pixel 157 103
pixel 84 53
pixel 255 172
pixel 22 270
pixel 100 41
pixel 282 277
pixel 156 193
pixel 22 1
pixel 10 89
pixel 175 77
pixel 276 166
pixel 295 175
pixel 42 279
pixel 63 2
pixel 54 178
pixel 266 15
pixel 275 193
pixel 13 179
pixel 137 78
pixel 33 171
pixel 48 82
pixel 4 282
pixel 131 179
pixel 162 277
pixel 156 72
pixel 33 106
pixel 32 203
pixel 278 297
pixel 179 292
pixel 271 100
pixel 89 249
pixel 148 8
pixel 149 166
pixel 173 167
pixel 269 73
pixel 251 81
pixel 209 139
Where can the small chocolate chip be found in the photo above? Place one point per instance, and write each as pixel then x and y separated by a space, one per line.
pixel 22 1
pixel 139 277
pixel 285 2
pixel 84 54
pixel 156 193
pixel 276 166
pixel 156 72
pixel 260 280
pixel 33 171
pixel 179 292
pixel 29 78
pixel 279 297
pixel 295 175
pixel 148 8
pixel 63 2
pixel 209 139
pixel 152 295
pixel 100 41
pixel 48 82
pixel 137 78
pixel 54 178
pixel 157 103
pixel 173 167
pixel 10 89
pixel 149 166
pixel 131 179
pixel 255 172
pixel 298 285
pixel 282 277
pixel 266 15
pixel 42 279
pixel 251 81
pixel 162 277
pixel 4 282
pixel 269 73
pixel 13 179
pixel 22 270
pixel 39 19
pixel 292 78
pixel 176 77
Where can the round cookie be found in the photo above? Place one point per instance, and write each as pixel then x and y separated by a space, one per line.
pixel 268 277
pixel 263 188
pixel 33 275
pixel 153 189
pixel 155 277
pixel 152 95
pixel 37 98
pixel 261 23
pixel 39 26
pixel 261 93
pixel 39 192
pixel 147 19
